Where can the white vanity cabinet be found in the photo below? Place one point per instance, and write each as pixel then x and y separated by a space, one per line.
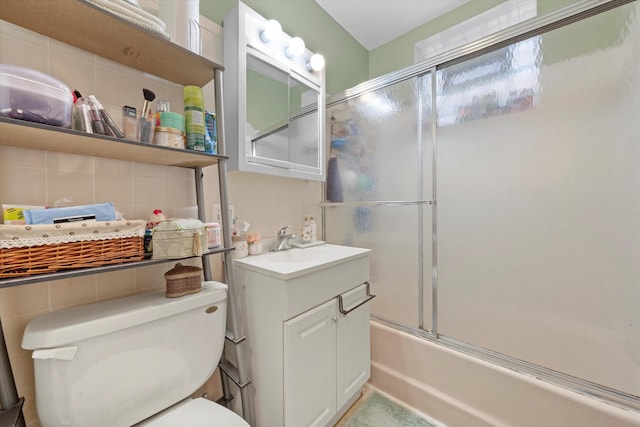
pixel 322 341
pixel 309 359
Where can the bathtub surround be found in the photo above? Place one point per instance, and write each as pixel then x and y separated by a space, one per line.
pixel 460 390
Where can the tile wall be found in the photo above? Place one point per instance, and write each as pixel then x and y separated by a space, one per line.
pixel 43 178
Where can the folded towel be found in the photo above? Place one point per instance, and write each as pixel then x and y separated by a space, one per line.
pixel 134 14
pixel 102 212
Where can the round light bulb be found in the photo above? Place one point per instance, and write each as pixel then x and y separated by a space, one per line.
pixel 296 47
pixel 316 62
pixel 271 31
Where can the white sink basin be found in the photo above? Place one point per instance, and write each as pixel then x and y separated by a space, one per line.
pixel 296 262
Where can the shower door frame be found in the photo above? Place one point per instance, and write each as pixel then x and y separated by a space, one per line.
pixel 534 27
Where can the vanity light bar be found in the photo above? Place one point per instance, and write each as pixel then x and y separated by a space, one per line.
pixel 296 47
pixel 316 62
pixel 272 30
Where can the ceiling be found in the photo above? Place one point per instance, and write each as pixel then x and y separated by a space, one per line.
pixel 375 22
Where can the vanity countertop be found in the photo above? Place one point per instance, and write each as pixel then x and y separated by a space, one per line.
pixel 296 262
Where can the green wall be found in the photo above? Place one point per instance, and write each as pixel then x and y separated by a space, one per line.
pixel 398 53
pixel 267 101
pixel 347 61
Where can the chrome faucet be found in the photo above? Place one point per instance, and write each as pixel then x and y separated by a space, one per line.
pixel 283 240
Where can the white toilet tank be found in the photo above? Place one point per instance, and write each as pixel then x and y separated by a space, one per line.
pixel 118 362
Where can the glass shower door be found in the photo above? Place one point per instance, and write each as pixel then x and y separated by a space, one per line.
pixel 539 200
pixel 376 193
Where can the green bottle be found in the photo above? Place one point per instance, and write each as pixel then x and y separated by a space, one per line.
pixel 194 117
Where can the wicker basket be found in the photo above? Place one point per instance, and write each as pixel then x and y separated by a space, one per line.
pixel 34 249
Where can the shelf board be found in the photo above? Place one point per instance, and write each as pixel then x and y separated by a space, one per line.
pixel 90 28
pixel 65 274
pixel 23 134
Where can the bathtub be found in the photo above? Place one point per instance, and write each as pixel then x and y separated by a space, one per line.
pixel 459 390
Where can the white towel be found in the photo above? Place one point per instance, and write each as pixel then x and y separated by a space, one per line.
pixel 134 14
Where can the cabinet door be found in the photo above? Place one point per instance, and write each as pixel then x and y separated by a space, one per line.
pixel 310 367
pixel 353 345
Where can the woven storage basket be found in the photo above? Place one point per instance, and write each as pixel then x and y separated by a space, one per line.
pixel 34 249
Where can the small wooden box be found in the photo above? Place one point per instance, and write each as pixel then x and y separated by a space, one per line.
pixel 183 280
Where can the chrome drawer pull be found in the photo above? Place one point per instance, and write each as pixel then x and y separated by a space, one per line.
pixel 369 298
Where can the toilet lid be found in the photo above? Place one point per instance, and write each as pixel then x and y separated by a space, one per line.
pixel 198 413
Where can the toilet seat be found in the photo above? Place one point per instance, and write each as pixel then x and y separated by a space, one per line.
pixel 198 412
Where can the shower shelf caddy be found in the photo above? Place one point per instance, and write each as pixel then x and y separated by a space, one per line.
pixel 101 33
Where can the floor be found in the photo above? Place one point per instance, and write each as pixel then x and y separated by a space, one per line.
pixel 375 409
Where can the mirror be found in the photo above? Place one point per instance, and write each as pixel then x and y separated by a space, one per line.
pixel 274 102
pixel 303 123
pixel 267 110
pixel 282 115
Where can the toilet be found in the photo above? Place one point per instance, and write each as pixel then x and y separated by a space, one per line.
pixel 131 361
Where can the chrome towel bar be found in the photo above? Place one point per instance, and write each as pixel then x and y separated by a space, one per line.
pixel 369 298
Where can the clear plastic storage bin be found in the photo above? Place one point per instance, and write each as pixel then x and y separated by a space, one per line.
pixel 27 94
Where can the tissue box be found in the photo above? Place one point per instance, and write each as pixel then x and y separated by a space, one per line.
pixel 30 95
pixel 179 238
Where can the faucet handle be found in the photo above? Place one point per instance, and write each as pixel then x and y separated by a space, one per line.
pixel 283 231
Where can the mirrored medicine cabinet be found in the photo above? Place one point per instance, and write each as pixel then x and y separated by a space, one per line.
pixel 274 121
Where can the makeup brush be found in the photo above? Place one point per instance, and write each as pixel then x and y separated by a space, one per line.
pixel 145 123
pixel 149 96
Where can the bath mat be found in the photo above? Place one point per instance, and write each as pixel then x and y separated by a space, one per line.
pixel 380 411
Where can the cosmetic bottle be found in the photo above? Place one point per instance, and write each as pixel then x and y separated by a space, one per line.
pixel 306 230
pixel 211 133
pixel 129 123
pixel 194 117
pixel 314 229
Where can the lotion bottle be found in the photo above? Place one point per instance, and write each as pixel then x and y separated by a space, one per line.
pixel 314 229
pixel 306 230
